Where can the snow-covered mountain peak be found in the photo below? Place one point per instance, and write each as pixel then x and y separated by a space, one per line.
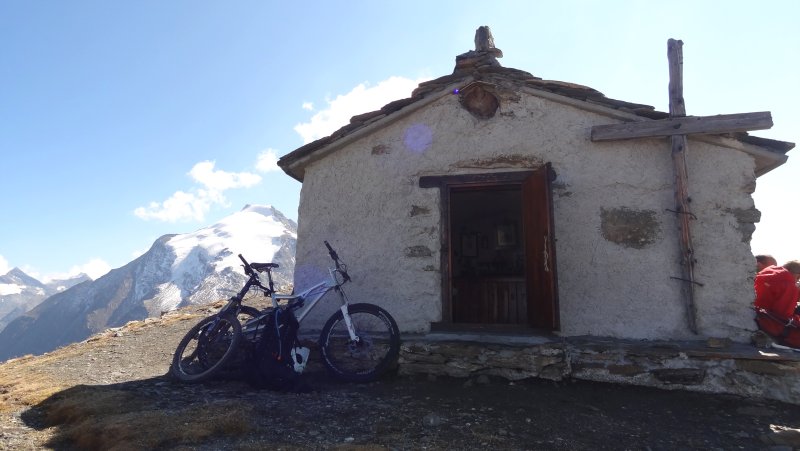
pixel 254 232
pixel 266 210
pixel 16 282
pixel 205 263
pixel 19 277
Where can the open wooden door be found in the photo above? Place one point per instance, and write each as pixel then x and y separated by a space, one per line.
pixel 488 277
pixel 540 250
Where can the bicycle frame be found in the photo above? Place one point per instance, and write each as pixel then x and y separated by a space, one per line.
pixel 311 296
pixel 236 300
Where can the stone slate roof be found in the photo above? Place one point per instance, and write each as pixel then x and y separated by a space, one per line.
pixel 483 66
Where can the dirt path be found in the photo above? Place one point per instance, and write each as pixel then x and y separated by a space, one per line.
pixel 109 392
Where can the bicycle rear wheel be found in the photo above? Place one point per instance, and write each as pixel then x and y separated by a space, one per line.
pixel 247 313
pixel 206 348
pixel 373 352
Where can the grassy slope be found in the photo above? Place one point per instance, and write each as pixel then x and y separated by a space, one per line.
pixel 111 416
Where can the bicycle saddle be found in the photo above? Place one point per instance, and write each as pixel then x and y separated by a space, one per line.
pixel 262 266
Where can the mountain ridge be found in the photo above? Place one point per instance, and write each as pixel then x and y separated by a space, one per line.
pixel 178 270
pixel 20 292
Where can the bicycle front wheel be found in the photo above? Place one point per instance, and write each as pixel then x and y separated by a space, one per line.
pixel 374 351
pixel 206 348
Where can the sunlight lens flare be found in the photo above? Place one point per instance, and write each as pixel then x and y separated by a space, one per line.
pixel 418 138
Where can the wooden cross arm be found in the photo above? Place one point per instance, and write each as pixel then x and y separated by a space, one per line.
pixel 688 125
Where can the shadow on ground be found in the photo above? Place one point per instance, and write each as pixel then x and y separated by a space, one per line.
pixel 403 413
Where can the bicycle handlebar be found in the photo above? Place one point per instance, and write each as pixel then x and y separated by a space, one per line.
pixel 332 252
pixel 247 269
pixel 339 266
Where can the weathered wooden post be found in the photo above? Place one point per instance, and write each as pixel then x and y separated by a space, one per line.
pixel 678 126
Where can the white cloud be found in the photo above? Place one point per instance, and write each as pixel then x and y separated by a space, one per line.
pixel 4 266
pixel 94 268
pixel 267 161
pixel 179 206
pixel 778 224
pixel 9 288
pixel 361 99
pixel 31 271
pixel 194 205
pixel 219 181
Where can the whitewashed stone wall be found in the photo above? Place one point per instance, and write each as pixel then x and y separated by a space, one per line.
pixel 366 200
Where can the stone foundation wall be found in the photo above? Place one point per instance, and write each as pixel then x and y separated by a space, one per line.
pixel 463 360
pixel 733 369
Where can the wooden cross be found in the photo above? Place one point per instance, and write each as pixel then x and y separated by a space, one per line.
pixel 677 127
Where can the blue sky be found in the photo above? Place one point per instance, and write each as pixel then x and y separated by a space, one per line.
pixel 121 121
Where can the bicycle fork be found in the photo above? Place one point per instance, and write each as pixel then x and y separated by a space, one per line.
pixel 348 321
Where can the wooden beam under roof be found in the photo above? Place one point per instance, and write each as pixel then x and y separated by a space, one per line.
pixel 687 125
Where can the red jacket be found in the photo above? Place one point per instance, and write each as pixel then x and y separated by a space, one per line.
pixel 776 291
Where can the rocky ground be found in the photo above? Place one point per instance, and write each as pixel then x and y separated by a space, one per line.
pixel 110 393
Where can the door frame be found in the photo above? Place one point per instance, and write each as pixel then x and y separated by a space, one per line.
pixel 447 183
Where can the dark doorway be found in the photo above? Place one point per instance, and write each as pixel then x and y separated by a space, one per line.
pixel 498 254
pixel 488 260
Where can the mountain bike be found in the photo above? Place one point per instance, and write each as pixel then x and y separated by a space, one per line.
pixel 358 343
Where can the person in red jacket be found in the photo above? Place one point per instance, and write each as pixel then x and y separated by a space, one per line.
pixel 764 260
pixel 776 289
